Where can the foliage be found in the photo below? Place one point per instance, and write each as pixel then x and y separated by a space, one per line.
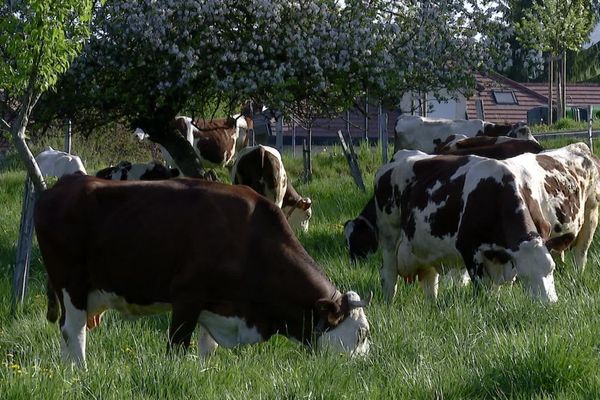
pixel 316 55
pixel 38 39
pixel 554 26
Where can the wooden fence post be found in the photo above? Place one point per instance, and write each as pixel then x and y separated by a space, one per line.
pixel 21 272
pixel 348 150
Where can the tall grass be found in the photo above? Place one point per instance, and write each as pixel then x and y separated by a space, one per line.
pixel 493 345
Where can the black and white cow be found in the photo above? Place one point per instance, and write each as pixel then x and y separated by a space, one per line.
pixel 361 232
pixel 126 171
pixel 224 273
pixel 497 218
pixel 425 134
pixel 261 168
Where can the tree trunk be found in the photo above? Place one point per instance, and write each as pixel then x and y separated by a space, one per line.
pixel 18 135
pixel 564 83
pixel 163 132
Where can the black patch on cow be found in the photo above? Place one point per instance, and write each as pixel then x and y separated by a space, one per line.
pixel 384 192
pixel 557 228
pixel 497 256
pixel 407 217
pixel 499 151
pixel 496 130
pixel 159 172
pixel 430 173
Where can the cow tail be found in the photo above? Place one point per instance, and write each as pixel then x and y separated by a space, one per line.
pixel 53 305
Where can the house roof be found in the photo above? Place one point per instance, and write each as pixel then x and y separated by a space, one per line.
pixel 528 96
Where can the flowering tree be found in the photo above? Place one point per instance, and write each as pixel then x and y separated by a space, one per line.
pixel 38 39
pixel 149 60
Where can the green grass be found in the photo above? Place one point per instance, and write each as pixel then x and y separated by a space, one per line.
pixel 496 345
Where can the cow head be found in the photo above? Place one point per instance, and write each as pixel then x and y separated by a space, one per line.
pixel 361 237
pixel 535 268
pixel 343 326
pixel 298 215
pixel 521 130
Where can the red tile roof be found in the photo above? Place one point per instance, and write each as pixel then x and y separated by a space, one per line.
pixel 528 95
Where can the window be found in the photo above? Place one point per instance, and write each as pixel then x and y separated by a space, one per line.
pixel 504 97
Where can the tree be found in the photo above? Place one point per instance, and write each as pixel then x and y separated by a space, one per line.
pixel 38 40
pixel 554 27
pixel 148 61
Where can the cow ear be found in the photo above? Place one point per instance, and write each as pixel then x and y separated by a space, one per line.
pixel 329 311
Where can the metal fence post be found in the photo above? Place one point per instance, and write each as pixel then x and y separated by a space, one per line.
pixel 293 137
pixel 279 134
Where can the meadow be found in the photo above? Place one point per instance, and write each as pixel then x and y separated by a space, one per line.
pixel 465 346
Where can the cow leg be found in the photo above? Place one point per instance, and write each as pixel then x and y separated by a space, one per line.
pixel 389 275
pixel 429 281
pixel 72 329
pixel 585 237
pixel 206 344
pixel 184 319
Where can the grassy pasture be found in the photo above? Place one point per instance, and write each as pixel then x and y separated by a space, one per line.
pixel 495 345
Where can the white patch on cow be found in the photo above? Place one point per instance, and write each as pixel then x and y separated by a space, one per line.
pixel 229 331
pixel 73 335
pixel 100 301
pixel 58 163
pixel 535 269
pixel 350 336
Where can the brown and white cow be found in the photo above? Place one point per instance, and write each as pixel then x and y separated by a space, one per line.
pixel 498 148
pixel 261 168
pixel 215 140
pixel 126 171
pixel 425 134
pixel 224 273
pixel 361 232
pixel 499 218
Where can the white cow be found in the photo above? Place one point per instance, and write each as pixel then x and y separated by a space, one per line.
pixel 425 134
pixel 58 163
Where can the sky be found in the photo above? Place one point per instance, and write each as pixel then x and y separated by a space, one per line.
pixel 595 37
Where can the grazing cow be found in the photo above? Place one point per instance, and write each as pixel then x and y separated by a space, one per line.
pixel 126 171
pixel 58 163
pixel 103 245
pixel 498 148
pixel 425 134
pixel 261 168
pixel 361 232
pixel 498 218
